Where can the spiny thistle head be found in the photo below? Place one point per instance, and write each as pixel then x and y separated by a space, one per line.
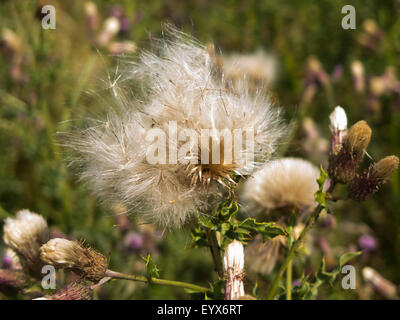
pixel 77 290
pixel 344 160
pixel 287 182
pixel 369 182
pixel 178 92
pixel 63 253
pixel 25 234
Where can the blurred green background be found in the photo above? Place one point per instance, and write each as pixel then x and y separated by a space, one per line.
pixel 47 76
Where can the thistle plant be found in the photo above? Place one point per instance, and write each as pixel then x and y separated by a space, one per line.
pixel 247 208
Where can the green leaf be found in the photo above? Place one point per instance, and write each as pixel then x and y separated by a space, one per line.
pixel 206 222
pixel 199 238
pixel 152 269
pixel 267 230
pixel 347 257
pixel 320 195
pixel 218 290
pixel 255 289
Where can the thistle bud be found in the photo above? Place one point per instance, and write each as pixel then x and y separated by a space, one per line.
pixel 357 70
pixel 12 279
pixel 77 290
pixel 358 138
pixel 369 182
pixel 86 262
pixel 316 73
pixel 380 284
pixel 11 260
pixel 110 28
pixel 122 47
pixel 25 234
pixel 338 128
pixel 92 15
pixel 233 265
pixel 385 167
pixel 344 161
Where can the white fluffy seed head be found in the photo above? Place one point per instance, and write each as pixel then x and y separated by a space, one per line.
pixel 177 84
pixel 287 182
pixel 25 234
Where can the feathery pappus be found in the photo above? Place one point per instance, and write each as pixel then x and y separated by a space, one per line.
pixel 178 94
pixel 287 182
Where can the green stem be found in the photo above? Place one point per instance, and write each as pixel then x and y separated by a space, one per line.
pixel 289 268
pixel 215 252
pixel 289 281
pixel 314 216
pixel 118 275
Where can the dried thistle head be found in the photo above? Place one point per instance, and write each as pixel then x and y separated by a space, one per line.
pixel 178 85
pixel 25 234
pixel 77 290
pixel 367 183
pixel 287 182
pixel 84 261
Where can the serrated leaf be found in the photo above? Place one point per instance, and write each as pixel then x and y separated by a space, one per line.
pixel 206 222
pixel 267 230
pixel 320 195
pixel 152 269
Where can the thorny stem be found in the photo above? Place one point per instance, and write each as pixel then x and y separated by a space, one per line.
pixel 118 275
pixel 314 216
pixel 215 252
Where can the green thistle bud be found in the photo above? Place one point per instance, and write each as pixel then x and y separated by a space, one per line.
pixel 369 182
